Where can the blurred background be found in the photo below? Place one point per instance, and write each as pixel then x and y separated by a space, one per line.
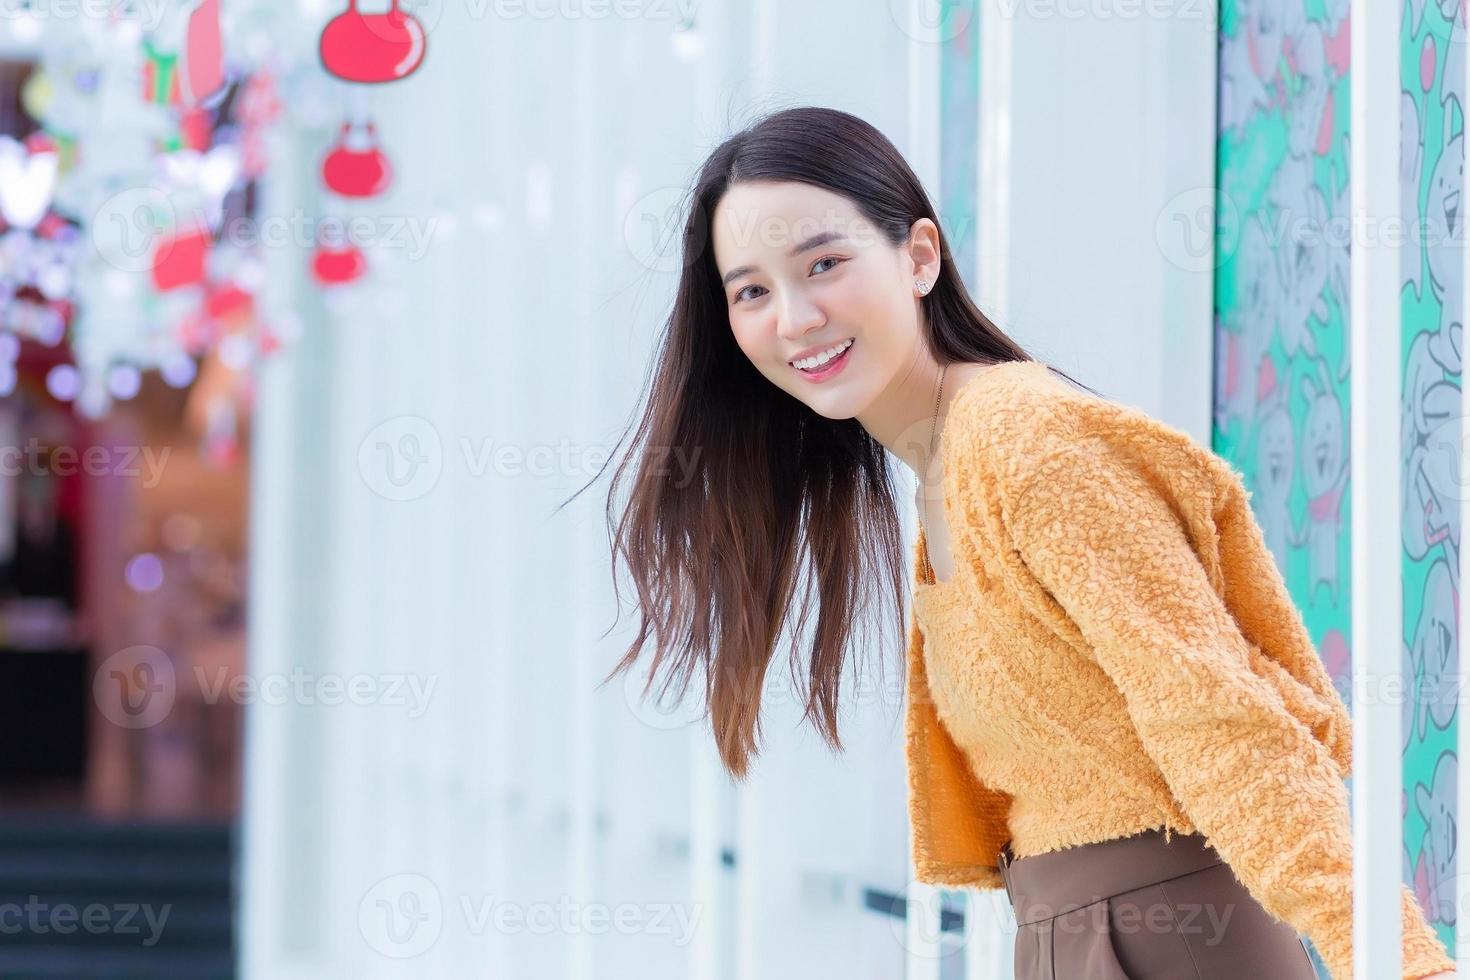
pixel 312 312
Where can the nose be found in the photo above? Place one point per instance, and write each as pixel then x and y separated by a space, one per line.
pixel 798 316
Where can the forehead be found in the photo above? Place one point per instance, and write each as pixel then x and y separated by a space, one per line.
pixel 760 221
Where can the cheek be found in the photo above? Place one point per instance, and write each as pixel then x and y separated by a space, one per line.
pixel 753 338
pixel 864 304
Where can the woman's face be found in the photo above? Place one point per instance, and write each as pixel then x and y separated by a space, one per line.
pixel 805 275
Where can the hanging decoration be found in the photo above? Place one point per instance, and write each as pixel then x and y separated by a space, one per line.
pixel 27 179
pixel 372 48
pixel 203 75
pixel 185 55
pixel 118 216
pixel 337 264
pixel 179 259
pixel 135 131
pixel 356 166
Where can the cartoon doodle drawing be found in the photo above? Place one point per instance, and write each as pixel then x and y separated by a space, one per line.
pixel 1287 316
pixel 1408 714
pixel 1337 28
pixel 1243 93
pixel 1452 72
pixel 1434 873
pixel 1324 467
pixel 1250 64
pixel 1416 15
pixel 1275 464
pixel 1310 106
pixel 1443 232
pixel 1302 253
pixel 1411 179
pixel 1431 485
pixel 1251 323
pixel 1338 257
pixel 1227 370
pixel 1447 345
pixel 1433 665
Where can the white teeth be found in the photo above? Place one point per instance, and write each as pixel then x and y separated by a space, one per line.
pixel 817 360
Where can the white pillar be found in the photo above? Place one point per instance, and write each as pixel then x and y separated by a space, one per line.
pixel 1377 551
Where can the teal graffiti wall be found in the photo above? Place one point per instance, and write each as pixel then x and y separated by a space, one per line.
pixel 1432 168
pixel 1281 409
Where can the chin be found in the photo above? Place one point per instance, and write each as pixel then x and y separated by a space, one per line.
pixel 837 408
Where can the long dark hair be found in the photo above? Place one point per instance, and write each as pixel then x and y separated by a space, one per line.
pixel 738 487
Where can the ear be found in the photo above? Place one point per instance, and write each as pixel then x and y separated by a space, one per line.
pixel 924 251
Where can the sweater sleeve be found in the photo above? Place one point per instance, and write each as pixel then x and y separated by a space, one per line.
pixel 1108 546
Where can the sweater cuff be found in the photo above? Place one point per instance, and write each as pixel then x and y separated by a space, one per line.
pixel 1423 953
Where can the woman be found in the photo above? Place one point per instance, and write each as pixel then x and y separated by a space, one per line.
pixel 1114 711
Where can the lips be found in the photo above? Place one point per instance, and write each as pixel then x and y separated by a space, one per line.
pixel 830 368
pixel 841 346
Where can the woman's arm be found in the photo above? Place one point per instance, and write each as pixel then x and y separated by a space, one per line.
pixel 1109 548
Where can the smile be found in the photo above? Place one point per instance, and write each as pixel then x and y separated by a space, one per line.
pixel 825 364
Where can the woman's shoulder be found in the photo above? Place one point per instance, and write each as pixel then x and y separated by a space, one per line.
pixel 1021 416
pixel 1014 414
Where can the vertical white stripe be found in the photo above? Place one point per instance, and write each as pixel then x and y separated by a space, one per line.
pixel 923 914
pixel 1377 615
pixel 587 570
pixel 923 104
pixel 993 237
pixel 989 950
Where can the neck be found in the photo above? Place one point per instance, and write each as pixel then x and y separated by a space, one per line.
pixel 906 430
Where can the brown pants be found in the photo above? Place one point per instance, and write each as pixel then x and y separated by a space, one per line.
pixel 1136 908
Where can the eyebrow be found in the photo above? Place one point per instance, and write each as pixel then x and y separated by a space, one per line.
pixel 821 238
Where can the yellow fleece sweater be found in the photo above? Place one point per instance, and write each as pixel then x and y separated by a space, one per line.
pixel 1116 651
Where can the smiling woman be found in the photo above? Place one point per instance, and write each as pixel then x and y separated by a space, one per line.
pixel 801 352
pixel 1086 718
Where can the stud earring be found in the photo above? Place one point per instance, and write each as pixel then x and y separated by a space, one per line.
pixel 922 286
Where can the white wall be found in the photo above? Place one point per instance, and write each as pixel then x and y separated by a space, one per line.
pixel 1098 176
pixel 540 146
pixel 528 324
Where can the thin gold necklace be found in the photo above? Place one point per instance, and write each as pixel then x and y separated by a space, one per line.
pixel 933 426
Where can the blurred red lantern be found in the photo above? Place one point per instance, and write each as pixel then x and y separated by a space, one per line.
pixel 336 265
pixel 384 47
pixel 356 166
pixel 228 300
pixel 204 63
pixel 196 128
pixel 179 259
